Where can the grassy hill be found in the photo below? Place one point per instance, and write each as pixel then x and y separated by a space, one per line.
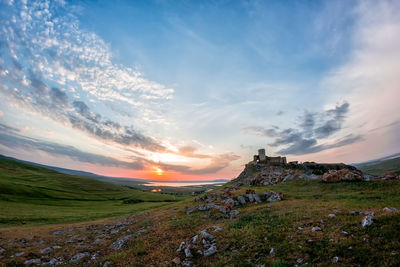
pixel 32 194
pixel 381 167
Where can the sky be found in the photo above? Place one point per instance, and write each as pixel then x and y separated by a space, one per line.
pixel 190 90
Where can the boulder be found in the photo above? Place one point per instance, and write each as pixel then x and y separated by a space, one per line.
pixel 272 196
pixel 335 176
pixel 120 242
pixel 210 251
pixel 368 220
pixel 32 262
pixel 241 200
pixel 79 256
pixel 390 209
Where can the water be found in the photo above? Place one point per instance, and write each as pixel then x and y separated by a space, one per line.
pixel 179 184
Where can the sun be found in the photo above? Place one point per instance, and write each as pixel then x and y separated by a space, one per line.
pixel 159 171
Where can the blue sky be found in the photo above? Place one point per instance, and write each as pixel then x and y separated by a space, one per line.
pixel 125 88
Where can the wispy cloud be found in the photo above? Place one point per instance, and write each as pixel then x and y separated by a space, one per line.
pixel 12 138
pixel 312 127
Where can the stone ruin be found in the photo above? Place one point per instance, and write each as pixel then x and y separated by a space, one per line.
pixel 261 158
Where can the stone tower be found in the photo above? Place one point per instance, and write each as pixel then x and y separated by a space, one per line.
pixel 261 154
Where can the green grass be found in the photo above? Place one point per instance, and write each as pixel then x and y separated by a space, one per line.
pixel 381 167
pixel 35 195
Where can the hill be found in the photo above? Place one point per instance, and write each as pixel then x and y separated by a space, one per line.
pixel 381 167
pixel 33 194
pixel 296 222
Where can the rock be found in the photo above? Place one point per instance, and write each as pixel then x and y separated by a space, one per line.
pixel 250 197
pixel 241 200
pixel 52 262
pixel 194 239
pixel 354 213
pixel 315 229
pixel 256 198
pixel 190 210
pixel 331 216
pixel 187 263
pixel 335 259
pixel 207 235
pixel 335 176
pixel 63 231
pixel 272 196
pixel 345 233
pixel 181 246
pixel 188 253
pixel 95 256
pixel 176 260
pixel 120 242
pixel 97 240
pixel 210 251
pixel 2 250
pixel 19 254
pixel 229 201
pixel 79 256
pixel 217 228
pixel 368 220
pixel 46 250
pixel 233 213
pixel 106 263
pixel 390 209
pixel 224 209
pixel 32 262
pixel 272 251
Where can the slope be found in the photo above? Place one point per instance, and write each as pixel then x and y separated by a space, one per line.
pixel 33 194
pixel 381 167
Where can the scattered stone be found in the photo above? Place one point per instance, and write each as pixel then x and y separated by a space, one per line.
pixel 207 235
pixel 46 250
pixel 95 256
pixel 181 246
pixel 316 228
pixel 63 231
pixel 52 262
pixel 299 261
pixel 272 251
pixel 120 242
pixel 188 253
pixel 350 248
pixel 331 216
pixel 32 261
pixel 187 263
pixel 217 228
pixel 345 233
pixel 106 263
pixel 233 213
pixel 190 210
pixel 176 260
pixel 194 239
pixel 241 200
pixel 19 254
pixel 335 259
pixel 97 240
pixel 368 220
pixel 354 213
pixel 300 228
pixel 272 196
pixel 390 209
pixel 79 256
pixel 210 251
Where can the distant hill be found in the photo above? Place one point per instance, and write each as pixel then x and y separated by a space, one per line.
pixel 381 166
pixel 32 193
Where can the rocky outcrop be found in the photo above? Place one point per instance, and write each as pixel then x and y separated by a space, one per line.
pixel 334 176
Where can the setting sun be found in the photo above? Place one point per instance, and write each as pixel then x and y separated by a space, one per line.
pixel 159 171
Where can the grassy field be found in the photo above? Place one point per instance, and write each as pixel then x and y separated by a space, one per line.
pixel 381 167
pixel 248 239
pixel 35 195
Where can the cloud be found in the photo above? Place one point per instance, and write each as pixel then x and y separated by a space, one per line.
pixel 52 66
pixel 11 138
pixel 216 164
pixel 305 138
